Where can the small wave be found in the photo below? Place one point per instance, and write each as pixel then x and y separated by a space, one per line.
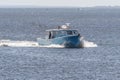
pixel 86 43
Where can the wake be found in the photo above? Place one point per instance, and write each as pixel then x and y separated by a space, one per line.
pixel 12 43
pixel 86 43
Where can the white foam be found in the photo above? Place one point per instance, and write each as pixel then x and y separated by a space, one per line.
pixel 53 46
pixel 86 43
pixel 11 43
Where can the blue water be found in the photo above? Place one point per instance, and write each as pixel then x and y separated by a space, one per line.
pixel 98 25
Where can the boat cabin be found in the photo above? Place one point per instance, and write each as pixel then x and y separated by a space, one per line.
pixel 55 33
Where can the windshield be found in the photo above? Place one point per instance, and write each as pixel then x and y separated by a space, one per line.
pixel 54 34
pixel 69 32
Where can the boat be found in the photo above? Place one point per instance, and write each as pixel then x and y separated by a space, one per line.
pixel 69 38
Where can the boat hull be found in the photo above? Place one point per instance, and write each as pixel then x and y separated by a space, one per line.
pixel 66 41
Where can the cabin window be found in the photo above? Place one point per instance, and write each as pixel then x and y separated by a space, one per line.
pixel 63 32
pixel 69 32
pixel 54 34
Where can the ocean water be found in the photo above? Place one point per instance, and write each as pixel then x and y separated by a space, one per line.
pixel 21 58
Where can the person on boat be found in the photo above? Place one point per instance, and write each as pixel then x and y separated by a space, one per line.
pixel 49 35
